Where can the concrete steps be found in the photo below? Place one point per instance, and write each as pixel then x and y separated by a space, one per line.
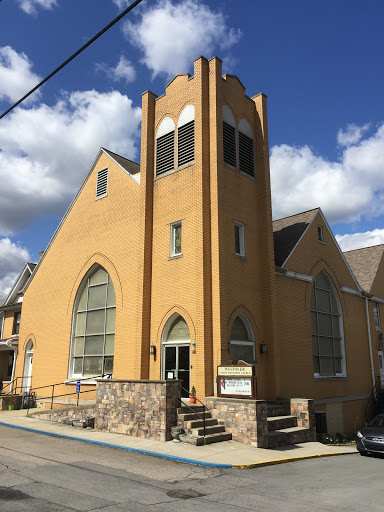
pixel 192 425
pixel 280 422
pixel 282 426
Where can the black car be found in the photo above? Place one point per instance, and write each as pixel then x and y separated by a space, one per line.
pixel 370 439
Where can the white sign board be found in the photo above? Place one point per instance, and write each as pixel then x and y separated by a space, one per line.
pixel 238 386
pixel 235 370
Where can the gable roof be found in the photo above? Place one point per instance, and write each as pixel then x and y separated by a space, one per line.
pixel 288 231
pixel 18 288
pixel 364 264
pixel 121 162
pixel 128 165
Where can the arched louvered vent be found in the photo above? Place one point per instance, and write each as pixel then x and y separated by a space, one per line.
pixel 186 136
pixel 246 151
pixel 102 183
pixel 165 146
pixel 229 137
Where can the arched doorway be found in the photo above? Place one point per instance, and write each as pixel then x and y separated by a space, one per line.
pixel 27 375
pixel 176 349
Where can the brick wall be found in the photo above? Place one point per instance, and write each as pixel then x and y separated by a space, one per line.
pixel 146 409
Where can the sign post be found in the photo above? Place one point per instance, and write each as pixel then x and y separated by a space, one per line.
pixel 78 385
pixel 236 379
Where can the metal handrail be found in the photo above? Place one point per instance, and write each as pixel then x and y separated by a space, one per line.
pixel 59 396
pixel 205 407
pixel 9 384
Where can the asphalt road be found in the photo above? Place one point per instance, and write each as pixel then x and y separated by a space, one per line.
pixel 43 474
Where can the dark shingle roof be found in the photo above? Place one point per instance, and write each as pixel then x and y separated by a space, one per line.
pixel 364 264
pixel 287 232
pixel 128 165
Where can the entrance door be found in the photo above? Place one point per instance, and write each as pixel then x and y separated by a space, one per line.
pixel 28 367
pixel 381 364
pixel 177 365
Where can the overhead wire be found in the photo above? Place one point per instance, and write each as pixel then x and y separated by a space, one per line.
pixel 107 27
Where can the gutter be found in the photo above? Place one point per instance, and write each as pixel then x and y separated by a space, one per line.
pixel 370 340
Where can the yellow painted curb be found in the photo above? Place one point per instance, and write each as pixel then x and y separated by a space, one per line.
pixel 291 459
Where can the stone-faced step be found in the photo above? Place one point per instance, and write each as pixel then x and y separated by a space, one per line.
pixel 279 422
pixel 191 409
pixel 194 440
pixel 193 416
pixel 278 408
pixel 217 438
pixel 208 430
pixel 287 436
pixel 209 422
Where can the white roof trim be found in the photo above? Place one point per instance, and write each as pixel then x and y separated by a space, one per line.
pixel 166 126
pixel 187 115
pixel 245 128
pixel 16 287
pixel 101 150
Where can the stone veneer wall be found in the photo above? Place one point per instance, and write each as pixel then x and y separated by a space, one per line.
pixel 245 419
pixel 7 400
pixel 139 408
pixel 304 410
pixel 79 413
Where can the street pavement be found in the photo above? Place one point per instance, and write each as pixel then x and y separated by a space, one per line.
pixel 39 473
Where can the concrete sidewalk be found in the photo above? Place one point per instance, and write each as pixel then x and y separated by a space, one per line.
pixel 227 454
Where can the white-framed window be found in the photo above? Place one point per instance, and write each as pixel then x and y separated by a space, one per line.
pixel 93 332
pixel 16 322
pixel 102 183
pixel 239 239
pixel 327 329
pixel 242 342
pixel 376 314
pixel 176 239
pixel 320 236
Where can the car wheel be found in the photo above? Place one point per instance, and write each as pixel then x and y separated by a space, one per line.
pixel 363 452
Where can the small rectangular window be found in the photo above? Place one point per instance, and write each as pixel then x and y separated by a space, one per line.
pixel 16 323
pixel 176 239
pixel 320 233
pixel 239 239
pixel 102 183
pixel 376 313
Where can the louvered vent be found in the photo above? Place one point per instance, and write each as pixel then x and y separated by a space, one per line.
pixel 246 158
pixel 229 144
pixel 165 153
pixel 102 183
pixel 186 143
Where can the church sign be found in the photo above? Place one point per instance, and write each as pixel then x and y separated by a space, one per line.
pixel 236 379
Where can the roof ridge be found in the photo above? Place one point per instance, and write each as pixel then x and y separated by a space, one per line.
pixel 295 214
pixel 362 248
pixel 117 154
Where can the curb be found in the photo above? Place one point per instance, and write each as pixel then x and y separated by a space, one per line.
pixel 291 459
pixel 120 447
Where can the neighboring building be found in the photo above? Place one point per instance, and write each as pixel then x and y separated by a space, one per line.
pixel 167 269
pixel 10 316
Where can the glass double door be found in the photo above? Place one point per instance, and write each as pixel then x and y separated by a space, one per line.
pixel 177 365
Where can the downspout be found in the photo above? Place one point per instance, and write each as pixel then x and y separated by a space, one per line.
pixel 13 369
pixel 370 340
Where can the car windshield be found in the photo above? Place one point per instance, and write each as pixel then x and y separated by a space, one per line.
pixel 378 421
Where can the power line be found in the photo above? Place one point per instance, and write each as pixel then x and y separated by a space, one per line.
pixel 118 18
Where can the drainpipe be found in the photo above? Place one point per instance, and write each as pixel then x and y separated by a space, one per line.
pixel 370 340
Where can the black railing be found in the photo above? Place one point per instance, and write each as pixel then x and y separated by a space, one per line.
pixel 9 384
pixel 204 406
pixel 373 404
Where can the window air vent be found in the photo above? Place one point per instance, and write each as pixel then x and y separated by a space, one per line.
pixel 229 144
pixel 186 143
pixel 165 153
pixel 246 159
pixel 102 183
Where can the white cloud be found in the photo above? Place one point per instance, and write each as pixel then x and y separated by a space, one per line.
pixel 46 151
pixel 122 71
pixel 173 34
pixel 351 135
pixel 359 240
pixel 122 4
pixel 12 260
pixel 30 6
pixel 346 189
pixel 16 76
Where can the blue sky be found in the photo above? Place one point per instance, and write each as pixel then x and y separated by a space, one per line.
pixel 319 63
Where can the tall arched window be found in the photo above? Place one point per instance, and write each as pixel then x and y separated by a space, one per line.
pixel 93 335
pixel 327 332
pixel 165 146
pixel 186 136
pixel 229 136
pixel 242 342
pixel 246 150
